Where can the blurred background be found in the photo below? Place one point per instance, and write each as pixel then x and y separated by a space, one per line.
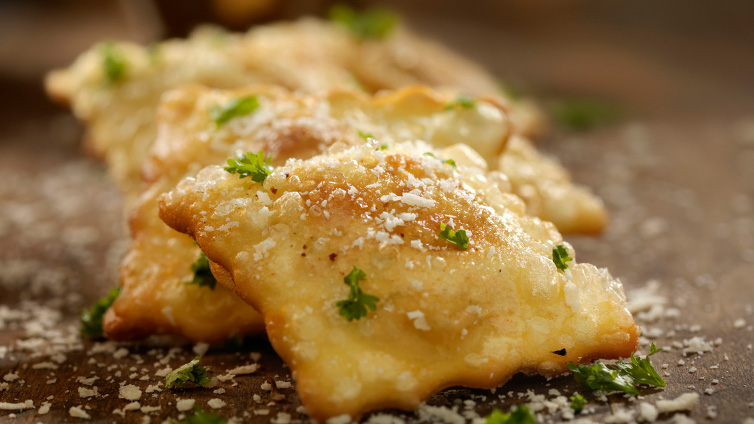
pixel 669 59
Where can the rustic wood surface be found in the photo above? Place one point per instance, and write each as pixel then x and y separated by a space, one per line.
pixel 677 175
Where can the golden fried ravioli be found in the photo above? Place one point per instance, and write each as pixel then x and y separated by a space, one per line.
pixel 115 88
pixel 546 188
pixel 155 297
pixel 434 314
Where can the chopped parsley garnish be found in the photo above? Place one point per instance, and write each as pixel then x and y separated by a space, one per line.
pixel 577 403
pixel 521 414
pixel 463 102
pixel 113 63
pixel 189 372
pixel 621 377
pixel 450 162
pixel 234 342
pixel 234 108
pixel 560 256
pixel 371 23
pixel 583 115
pixel 91 319
pixel 355 307
pixel 365 135
pixel 202 275
pixel 201 417
pixel 251 165
pixel 458 238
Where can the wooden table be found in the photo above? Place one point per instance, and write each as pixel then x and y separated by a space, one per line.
pixel 677 176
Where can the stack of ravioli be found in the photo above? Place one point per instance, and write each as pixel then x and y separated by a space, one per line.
pixel 382 161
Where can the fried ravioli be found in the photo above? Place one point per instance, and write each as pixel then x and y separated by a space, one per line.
pixel 155 296
pixel 115 88
pixel 443 316
pixel 546 188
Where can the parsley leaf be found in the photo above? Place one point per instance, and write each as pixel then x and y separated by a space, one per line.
pixel 621 377
pixel 234 108
pixel 450 162
pixel 202 274
pixel 365 135
pixel 577 403
pixel 113 63
pixel 189 372
pixel 521 414
pixel 91 319
pixel 560 256
pixel 583 115
pixel 458 238
pixel 598 376
pixel 371 23
pixel 355 307
pixel 201 417
pixel 641 370
pixel 251 165
pixel 462 101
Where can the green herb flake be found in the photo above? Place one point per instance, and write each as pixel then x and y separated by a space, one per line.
pixel 583 115
pixel 251 165
pixel 113 63
pixel 234 342
pixel 621 377
pixel 641 370
pixel 459 238
pixel 450 162
pixel 355 307
pixel 190 372
pixel 365 135
pixel 577 403
pixel 369 24
pixel 202 275
pixel 463 102
pixel 383 146
pixel 560 256
pixel 234 108
pixel 521 414
pixel 201 417
pixel 91 319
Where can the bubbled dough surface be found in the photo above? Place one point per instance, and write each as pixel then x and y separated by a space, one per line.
pixel 483 314
pixel 309 55
pixel 155 298
pixel 546 188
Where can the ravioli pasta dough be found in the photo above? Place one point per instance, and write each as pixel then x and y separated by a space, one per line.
pixel 155 297
pixel 477 316
pixel 307 55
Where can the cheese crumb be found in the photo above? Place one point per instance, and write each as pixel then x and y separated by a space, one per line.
pixel 683 402
pixel 420 321
pixel 200 348
pixel 120 353
pixel 44 409
pixel 16 406
pixel 130 392
pixel 216 403
pixel 185 404
pixel 340 419
pixel 648 412
pixel 77 412
pixel 87 393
